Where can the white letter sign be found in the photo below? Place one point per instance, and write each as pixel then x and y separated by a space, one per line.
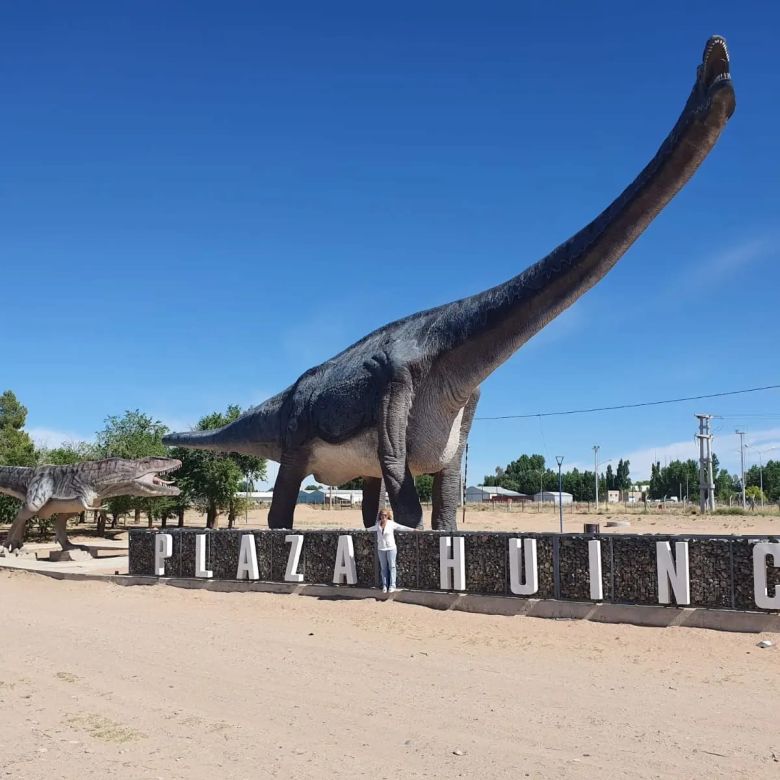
pixel 673 572
pixel 452 563
pixel 594 566
pixel 761 552
pixel 200 557
pixel 163 548
pixel 345 568
pixel 528 583
pixel 247 559
pixel 296 545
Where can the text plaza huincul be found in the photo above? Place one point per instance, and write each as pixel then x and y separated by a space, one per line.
pixel 672 569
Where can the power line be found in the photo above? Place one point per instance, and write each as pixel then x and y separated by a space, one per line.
pixel 631 406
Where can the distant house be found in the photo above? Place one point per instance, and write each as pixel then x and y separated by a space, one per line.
pixel 484 493
pixel 613 496
pixel 551 496
pixel 325 495
pixel 259 496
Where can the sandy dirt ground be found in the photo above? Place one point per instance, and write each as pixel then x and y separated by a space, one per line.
pixel 101 680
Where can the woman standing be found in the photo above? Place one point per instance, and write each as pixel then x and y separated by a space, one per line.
pixel 385 544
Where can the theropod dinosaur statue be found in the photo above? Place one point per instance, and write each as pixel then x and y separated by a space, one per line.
pixel 65 491
pixel 400 402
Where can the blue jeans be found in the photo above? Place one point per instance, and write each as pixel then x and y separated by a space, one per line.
pixel 387 565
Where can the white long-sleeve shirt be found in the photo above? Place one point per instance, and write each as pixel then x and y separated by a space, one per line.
pixel 385 537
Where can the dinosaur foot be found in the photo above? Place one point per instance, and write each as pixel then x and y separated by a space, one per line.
pixel 15 551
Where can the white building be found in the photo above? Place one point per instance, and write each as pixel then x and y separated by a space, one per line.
pixel 551 496
pixel 482 493
pixel 324 496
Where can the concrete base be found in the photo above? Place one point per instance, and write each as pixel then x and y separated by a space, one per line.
pixel 70 555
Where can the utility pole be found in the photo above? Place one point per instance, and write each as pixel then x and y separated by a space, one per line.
pixel 559 460
pixel 465 479
pixel 706 481
pixel 596 469
pixel 741 435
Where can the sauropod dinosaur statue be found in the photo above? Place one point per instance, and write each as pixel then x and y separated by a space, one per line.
pixel 65 491
pixel 400 401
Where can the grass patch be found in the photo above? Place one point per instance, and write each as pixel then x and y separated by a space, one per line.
pixel 103 729
pixel 732 510
pixel 67 677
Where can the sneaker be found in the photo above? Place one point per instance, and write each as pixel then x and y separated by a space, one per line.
pixel 393 590
pixel 384 589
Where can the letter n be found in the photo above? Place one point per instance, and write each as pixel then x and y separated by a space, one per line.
pixel 673 572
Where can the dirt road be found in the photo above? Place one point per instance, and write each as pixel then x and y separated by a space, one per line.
pixel 148 682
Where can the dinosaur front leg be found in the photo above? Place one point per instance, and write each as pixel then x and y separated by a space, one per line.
pixel 446 483
pixel 372 491
pixel 292 470
pixel 393 424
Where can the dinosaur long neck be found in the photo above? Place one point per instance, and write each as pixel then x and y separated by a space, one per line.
pixel 489 327
pixel 14 480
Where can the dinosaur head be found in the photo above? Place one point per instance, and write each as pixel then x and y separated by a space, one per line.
pixel 120 477
pixel 713 92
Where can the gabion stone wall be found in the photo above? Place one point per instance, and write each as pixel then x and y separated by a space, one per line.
pixel 721 573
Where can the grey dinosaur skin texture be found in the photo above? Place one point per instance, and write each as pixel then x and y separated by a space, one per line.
pixel 400 401
pixel 65 491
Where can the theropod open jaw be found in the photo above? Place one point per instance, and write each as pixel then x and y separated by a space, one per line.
pixel 150 483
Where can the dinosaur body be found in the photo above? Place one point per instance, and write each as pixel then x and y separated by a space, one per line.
pixel 400 401
pixel 65 491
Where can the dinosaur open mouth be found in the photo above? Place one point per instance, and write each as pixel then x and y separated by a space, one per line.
pixel 157 484
pixel 715 64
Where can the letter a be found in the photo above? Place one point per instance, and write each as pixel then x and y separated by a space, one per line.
pixel 247 559
pixel 345 568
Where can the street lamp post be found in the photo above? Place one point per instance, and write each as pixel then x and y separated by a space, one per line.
pixel 559 461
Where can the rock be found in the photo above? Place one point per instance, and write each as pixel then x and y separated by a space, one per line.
pixel 765 643
pixel 618 523
pixel 459 752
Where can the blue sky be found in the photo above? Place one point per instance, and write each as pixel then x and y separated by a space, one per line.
pixel 199 201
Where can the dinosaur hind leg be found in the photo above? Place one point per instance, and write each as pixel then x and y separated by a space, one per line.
pixel 61 533
pixel 15 538
pixel 393 450
pixel 446 483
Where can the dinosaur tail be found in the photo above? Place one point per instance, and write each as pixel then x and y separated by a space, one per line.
pixel 197 440
pixel 256 432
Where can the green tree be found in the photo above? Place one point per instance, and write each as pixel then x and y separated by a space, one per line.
pixel 424 485
pixel 132 435
pixel 353 484
pixel 67 454
pixel 212 480
pixel 16 446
